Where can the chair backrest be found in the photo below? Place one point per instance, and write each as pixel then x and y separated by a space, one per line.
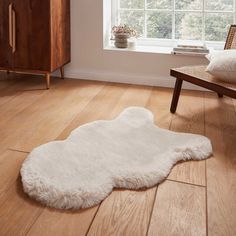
pixel 231 38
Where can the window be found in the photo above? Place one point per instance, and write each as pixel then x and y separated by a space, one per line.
pixel 205 20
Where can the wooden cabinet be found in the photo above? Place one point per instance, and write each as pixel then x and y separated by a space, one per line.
pixel 34 36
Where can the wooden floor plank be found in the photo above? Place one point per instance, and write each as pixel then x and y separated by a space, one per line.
pixel 159 103
pixel 17 212
pixel 221 169
pixel 61 223
pixel 46 118
pixel 108 104
pixel 123 213
pixel 20 97
pixel 99 108
pixel 130 98
pixel 189 118
pixel 23 84
pixel 179 209
pixel 10 163
pixel 15 87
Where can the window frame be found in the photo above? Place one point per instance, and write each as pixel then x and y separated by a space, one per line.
pixel 144 41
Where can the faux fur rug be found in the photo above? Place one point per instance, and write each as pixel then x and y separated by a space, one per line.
pixel 127 152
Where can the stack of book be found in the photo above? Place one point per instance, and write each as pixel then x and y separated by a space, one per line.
pixel 190 49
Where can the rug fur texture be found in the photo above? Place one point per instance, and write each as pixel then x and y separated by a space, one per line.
pixel 127 152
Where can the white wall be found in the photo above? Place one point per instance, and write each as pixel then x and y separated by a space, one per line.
pixel 90 61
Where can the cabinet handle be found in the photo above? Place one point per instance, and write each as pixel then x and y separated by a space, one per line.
pixel 13 31
pixel 10 23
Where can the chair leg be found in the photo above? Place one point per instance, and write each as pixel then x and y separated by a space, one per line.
pixel 175 98
pixel 220 95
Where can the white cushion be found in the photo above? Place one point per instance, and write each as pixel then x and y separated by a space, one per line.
pixel 223 65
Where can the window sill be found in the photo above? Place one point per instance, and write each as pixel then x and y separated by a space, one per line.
pixel 152 49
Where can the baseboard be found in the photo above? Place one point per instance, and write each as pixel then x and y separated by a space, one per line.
pixel 160 81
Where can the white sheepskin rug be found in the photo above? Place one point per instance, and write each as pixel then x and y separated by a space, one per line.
pixel 127 152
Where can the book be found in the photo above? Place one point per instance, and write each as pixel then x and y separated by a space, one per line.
pixel 189 53
pixel 191 49
pixel 191 46
pixel 199 50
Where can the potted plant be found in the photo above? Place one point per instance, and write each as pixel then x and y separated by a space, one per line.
pixel 121 34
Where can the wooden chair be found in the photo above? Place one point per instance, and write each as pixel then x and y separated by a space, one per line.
pixel 198 76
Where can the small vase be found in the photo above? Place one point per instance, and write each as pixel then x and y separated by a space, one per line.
pixel 132 43
pixel 121 40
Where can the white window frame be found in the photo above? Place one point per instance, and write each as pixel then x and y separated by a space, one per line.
pixel 169 42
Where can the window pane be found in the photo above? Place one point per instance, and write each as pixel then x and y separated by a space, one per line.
pixel 133 19
pixel 188 26
pixel 188 4
pixel 132 4
pixel 159 25
pixel 159 4
pixel 226 5
pixel 217 25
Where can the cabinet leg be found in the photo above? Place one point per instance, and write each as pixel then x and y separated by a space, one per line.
pixel 48 80
pixel 175 98
pixel 220 95
pixel 62 72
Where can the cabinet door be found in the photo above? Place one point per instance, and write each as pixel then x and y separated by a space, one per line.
pixel 32 26
pixel 5 48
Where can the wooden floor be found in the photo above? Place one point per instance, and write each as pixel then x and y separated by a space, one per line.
pixel 198 198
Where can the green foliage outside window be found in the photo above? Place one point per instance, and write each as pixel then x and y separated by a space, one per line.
pixel 188 25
